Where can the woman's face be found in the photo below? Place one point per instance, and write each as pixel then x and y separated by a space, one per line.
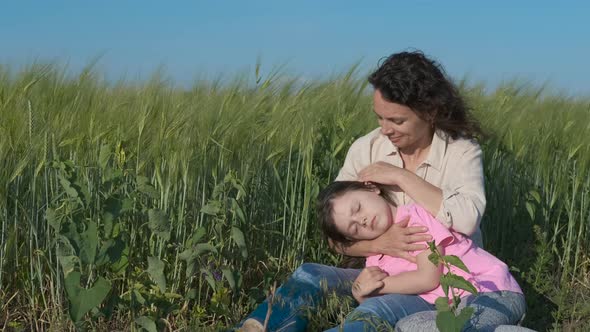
pixel 362 214
pixel 404 128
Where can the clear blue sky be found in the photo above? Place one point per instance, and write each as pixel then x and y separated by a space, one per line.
pixel 486 41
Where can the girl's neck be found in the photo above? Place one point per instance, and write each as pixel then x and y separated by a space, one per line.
pixel 393 213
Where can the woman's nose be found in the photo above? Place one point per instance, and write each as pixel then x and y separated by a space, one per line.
pixel 386 129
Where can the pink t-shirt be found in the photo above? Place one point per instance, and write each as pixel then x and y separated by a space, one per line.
pixel 488 273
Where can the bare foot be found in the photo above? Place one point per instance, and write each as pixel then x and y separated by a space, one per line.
pixel 251 325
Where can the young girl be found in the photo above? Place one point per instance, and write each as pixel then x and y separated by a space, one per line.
pixel 391 288
pixel 350 211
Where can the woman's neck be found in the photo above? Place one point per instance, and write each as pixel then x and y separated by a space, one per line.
pixel 419 150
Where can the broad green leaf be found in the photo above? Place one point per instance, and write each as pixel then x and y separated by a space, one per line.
pixel 65 183
pixel 111 175
pixel 442 304
pixel 112 209
pixel 444 283
pixel 158 223
pixel 459 282
pixel 188 255
pixel 156 271
pixel 144 186
pixel 191 254
pixel 89 243
pixel 146 323
pixel 83 300
pixel 447 322
pixel 209 278
pixel 83 191
pixel 111 252
pixel 530 209
pixel 67 263
pixel 464 316
pixel 211 208
pixel 126 205
pixel 432 246
pixel 238 210
pixel 191 294
pixel 52 219
pixel 198 234
pixel 64 246
pixel 434 258
pixel 137 297
pixel 172 296
pixel 456 261
pixel 107 224
pixel 238 237
pixel 229 276
pixel 536 196
pixel 203 248
pixel 119 266
pixel 104 156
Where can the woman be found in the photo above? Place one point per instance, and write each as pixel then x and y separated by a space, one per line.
pixel 425 148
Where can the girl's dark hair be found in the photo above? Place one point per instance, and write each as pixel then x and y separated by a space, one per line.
pixel 325 207
pixel 413 80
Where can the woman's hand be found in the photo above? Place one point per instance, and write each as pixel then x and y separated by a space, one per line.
pixel 381 172
pixel 369 281
pixel 400 239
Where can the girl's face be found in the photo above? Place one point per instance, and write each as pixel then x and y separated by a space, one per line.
pixel 404 128
pixel 362 214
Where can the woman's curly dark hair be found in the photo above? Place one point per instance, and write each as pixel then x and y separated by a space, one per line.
pixel 413 80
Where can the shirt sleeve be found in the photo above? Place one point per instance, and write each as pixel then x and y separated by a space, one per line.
pixel 353 162
pixel 463 193
pixel 441 235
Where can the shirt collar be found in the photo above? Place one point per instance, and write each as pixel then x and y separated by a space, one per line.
pixel 438 148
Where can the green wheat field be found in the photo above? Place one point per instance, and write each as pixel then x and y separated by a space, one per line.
pixel 130 206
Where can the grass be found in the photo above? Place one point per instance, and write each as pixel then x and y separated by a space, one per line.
pixel 181 207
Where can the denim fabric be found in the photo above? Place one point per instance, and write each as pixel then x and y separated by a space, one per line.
pixel 381 313
pixel 303 291
pixel 492 310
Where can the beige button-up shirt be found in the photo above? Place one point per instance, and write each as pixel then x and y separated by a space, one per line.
pixel 455 166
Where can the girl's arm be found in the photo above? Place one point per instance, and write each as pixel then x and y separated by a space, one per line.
pixel 422 280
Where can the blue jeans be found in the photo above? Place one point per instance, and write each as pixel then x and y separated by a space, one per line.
pixel 306 286
pixel 304 289
pixel 494 311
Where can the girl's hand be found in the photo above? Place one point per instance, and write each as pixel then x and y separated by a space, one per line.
pixel 370 280
pixel 400 239
pixel 381 172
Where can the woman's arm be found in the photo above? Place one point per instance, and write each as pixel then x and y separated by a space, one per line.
pixel 463 194
pixel 397 241
pixel 427 195
pixel 424 279
pixel 459 204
